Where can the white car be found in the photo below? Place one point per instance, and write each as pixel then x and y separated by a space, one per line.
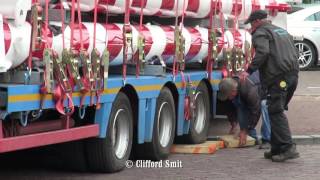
pixel 306 23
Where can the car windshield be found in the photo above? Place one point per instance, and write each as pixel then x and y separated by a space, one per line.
pixel 314 17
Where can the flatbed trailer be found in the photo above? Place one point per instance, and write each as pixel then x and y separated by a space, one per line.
pixel 141 93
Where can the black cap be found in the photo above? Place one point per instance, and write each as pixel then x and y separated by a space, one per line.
pixel 259 14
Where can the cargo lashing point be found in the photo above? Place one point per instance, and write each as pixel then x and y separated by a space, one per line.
pixel 24 118
pixel 72 64
pixel 141 53
pixel 179 48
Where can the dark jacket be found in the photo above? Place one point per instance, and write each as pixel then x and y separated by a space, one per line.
pixel 248 97
pixel 275 53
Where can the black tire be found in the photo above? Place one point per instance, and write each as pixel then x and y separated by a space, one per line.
pixel 199 125
pixel 102 153
pixel 165 109
pixel 307 54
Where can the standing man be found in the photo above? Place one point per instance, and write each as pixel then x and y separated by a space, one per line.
pixel 276 59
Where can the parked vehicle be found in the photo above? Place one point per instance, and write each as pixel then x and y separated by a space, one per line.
pixel 306 23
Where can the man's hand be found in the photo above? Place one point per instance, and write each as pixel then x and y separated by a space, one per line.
pixel 243 137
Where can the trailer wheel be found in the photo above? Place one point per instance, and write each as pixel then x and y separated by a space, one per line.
pixel 199 125
pixel 163 128
pixel 111 153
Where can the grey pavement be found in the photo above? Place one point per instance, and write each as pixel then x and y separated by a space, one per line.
pixel 226 164
pixel 309 83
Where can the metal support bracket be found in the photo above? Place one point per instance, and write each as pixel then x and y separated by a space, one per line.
pixel 71 64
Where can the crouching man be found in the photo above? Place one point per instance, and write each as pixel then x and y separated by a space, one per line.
pixel 245 97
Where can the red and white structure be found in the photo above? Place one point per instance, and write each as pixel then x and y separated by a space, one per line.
pixel 159 40
pixel 15 9
pixel 192 8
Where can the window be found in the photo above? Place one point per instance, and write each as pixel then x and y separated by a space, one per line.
pixel 314 17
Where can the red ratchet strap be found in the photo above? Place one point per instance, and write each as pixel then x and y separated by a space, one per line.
pixel 62 23
pixel 126 29
pixel 221 23
pixel 63 89
pixel 98 91
pixel 188 101
pixel 59 96
pixel 235 40
pixel 80 25
pixel 60 92
pixel 183 13
pixel 245 39
pixel 209 59
pixel 46 24
pixel 86 82
pixel 175 57
pixel 222 42
pixel 234 23
pixel 94 22
pixel 222 27
pixel 44 88
pixel 187 108
pixel 175 65
pixel 140 31
pixel 32 36
pixel 247 48
pixel 72 23
pixel 183 80
pixel 181 26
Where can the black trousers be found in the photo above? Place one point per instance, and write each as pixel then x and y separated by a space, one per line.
pixel 278 99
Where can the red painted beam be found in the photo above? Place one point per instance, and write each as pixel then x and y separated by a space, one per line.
pixel 43 126
pixel 47 138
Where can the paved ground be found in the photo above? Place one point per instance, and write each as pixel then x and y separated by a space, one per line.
pixel 226 164
pixel 309 83
pixel 302 115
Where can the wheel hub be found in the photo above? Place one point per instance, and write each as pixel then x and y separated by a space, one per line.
pixel 200 116
pixel 164 124
pixel 305 54
pixel 120 133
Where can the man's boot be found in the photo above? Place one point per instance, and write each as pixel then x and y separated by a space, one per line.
pixel 291 153
pixel 267 155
